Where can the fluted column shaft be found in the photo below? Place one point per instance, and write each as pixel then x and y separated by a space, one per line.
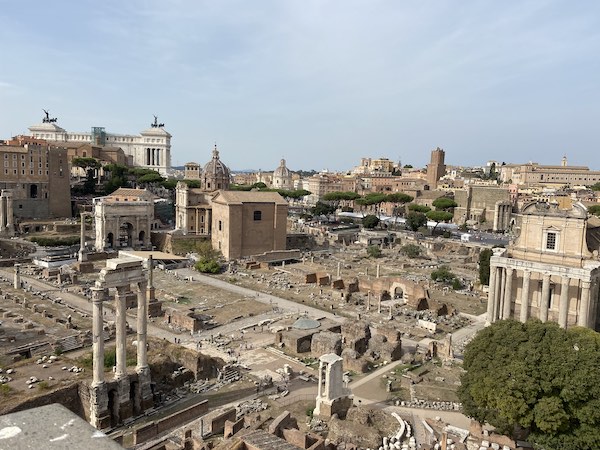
pixel 525 296
pixel 121 328
pixel 584 307
pixel 563 306
pixel 545 297
pixel 142 326
pixel 507 294
pixel 491 295
pixel 97 335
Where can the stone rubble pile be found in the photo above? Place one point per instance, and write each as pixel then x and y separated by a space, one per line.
pixel 249 407
pixel 442 406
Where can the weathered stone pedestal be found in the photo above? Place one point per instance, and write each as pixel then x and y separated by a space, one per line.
pixel 332 396
pixel 99 414
pixel 84 267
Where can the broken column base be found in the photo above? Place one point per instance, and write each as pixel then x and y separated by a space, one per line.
pixel 125 405
pixel 146 397
pixel 84 267
pixel 326 408
pixel 99 414
pixel 155 309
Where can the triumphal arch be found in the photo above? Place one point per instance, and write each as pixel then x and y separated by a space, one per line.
pixel 124 219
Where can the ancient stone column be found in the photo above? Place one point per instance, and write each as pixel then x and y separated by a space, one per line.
pixel 121 329
pixel 491 295
pixel 320 387
pixel 545 297
pixel 525 296
pixel 82 252
pixel 97 335
pixel 369 301
pixel 2 213
pixel 338 269
pixel 377 275
pixel 142 327
pixel 17 277
pixel 9 213
pixel 507 294
pixel 379 304
pixel 500 279
pixel 563 306
pixel 584 307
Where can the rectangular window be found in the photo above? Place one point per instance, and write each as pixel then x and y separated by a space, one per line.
pixel 257 215
pixel 220 225
pixel 551 241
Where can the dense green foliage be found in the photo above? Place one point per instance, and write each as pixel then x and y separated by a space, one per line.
pixel 537 377
pixel 340 196
pixel 418 208
pixel 322 209
pixel 444 203
pixel 411 250
pixel 439 216
pixel 484 266
pixel 416 220
pixel 370 221
pixel 443 275
pixel 373 251
pixel 594 209
pixel 208 258
pixel 595 187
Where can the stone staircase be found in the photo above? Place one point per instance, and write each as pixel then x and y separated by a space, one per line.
pixel 70 343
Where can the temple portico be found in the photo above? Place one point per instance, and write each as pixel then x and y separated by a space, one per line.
pixel 566 295
pixel 551 271
pixel 126 396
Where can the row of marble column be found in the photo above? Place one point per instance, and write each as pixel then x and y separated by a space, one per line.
pixel 98 298
pixel 153 156
pixel 500 297
pixel 6 212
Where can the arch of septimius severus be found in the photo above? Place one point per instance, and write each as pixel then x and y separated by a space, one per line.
pixel 551 271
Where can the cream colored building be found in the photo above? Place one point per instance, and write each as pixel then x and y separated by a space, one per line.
pixel 534 174
pixel 150 149
pixel 551 271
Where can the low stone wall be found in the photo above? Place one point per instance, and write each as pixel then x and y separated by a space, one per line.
pixel 174 420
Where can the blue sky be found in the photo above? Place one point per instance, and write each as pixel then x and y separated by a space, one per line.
pixel 320 83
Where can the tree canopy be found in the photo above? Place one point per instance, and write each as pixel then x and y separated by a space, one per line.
pixel 419 208
pixel 535 377
pixel 416 220
pixel 370 221
pixel 444 203
pixel 594 209
pixel 484 266
pixel 339 196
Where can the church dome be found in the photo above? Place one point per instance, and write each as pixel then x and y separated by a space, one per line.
pixel 215 174
pixel 282 176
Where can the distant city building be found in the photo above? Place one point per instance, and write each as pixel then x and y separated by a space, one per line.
pixel 150 149
pixel 192 171
pixel 436 169
pixel 551 271
pixel 215 174
pixel 534 174
pixel 374 166
pixel 282 177
pixel 35 176
pixel 490 207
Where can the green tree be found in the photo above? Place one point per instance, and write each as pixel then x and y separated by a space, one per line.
pixel 370 221
pixel 419 208
pixel 444 204
pixel 594 209
pixel 439 216
pixel 416 220
pixel 443 275
pixel 536 377
pixel 484 266
pixel 399 199
pixel 411 250
pixel 89 165
pixel 322 209
pixel 208 258
pixel 595 187
pixel 373 199
pixel 373 251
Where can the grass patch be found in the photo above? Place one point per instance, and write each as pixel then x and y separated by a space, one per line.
pixel 110 359
pixel 5 390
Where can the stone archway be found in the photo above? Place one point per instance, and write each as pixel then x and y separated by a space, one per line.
pixel 110 240
pixel 399 293
pixel 126 235
pixel 142 238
